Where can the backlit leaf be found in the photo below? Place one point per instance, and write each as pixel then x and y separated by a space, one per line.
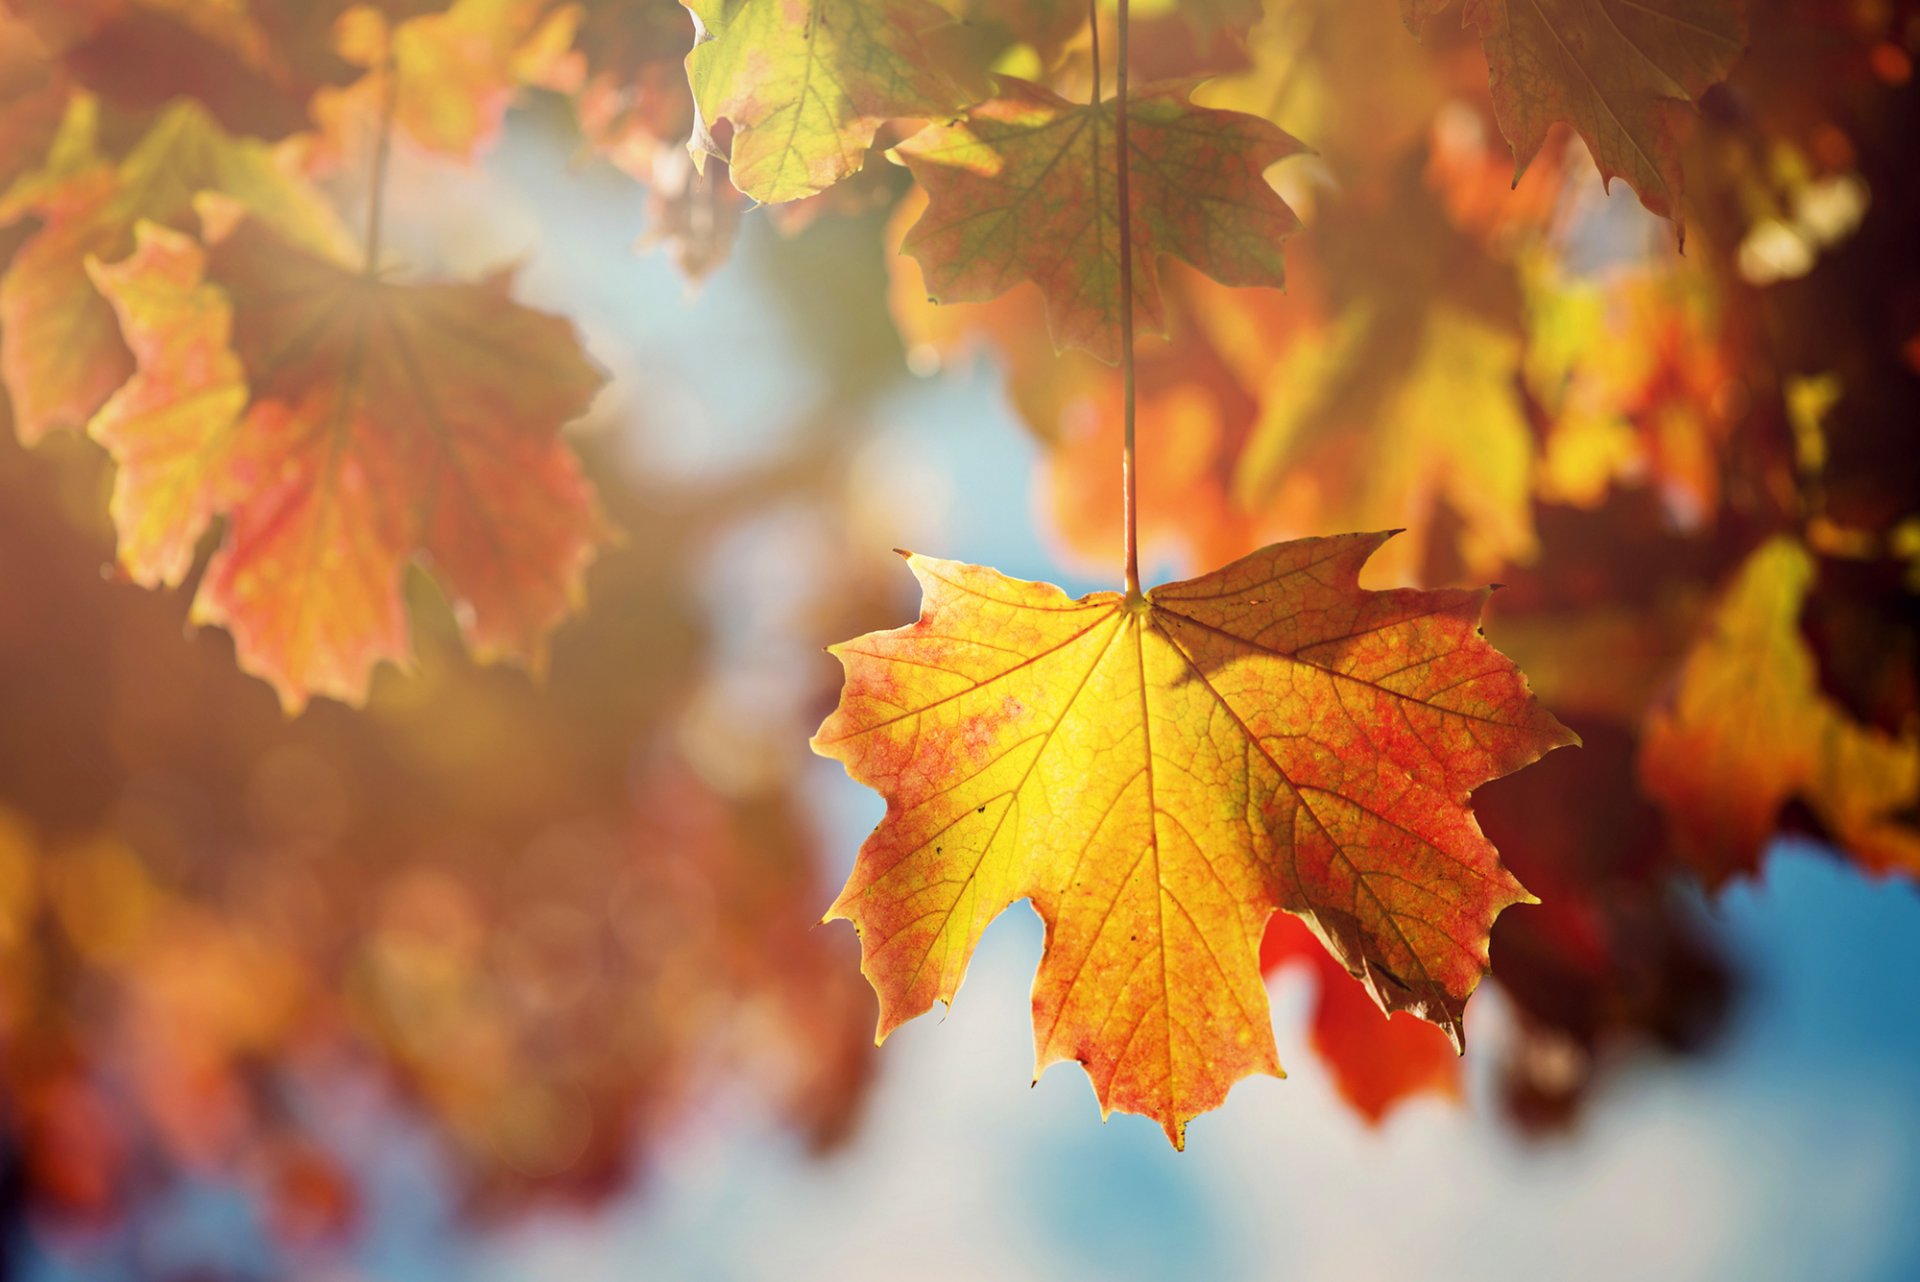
pixel 1158 777
pixel 1023 189
pixel 807 83
pixel 355 425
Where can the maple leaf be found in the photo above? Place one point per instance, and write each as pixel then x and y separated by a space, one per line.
pixel 355 425
pixel 1021 189
pixel 1612 69
pixel 1158 775
pixel 807 83
pixel 1747 730
pixel 60 349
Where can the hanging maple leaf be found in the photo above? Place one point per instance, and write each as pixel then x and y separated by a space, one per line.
pixel 1158 774
pixel 807 83
pixel 1747 730
pixel 1022 189
pixel 354 425
pixel 1612 69
pixel 60 349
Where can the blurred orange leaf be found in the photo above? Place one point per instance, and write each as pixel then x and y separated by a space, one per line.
pixel 1747 730
pixel 445 77
pixel 1376 1060
pixel 253 64
pixel 354 425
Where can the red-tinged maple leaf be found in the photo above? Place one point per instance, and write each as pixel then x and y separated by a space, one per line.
pixel 60 349
pixel 1021 189
pixel 807 83
pixel 1158 774
pixel 1376 1061
pixel 1613 69
pixel 354 426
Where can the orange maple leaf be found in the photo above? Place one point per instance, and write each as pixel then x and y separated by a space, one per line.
pixel 1159 774
pixel 352 426
pixel 1021 190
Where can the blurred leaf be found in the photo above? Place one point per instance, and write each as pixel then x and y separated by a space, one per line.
pixel 60 349
pixel 1612 69
pixel 1747 730
pixel 360 424
pixel 806 85
pixel 1377 1061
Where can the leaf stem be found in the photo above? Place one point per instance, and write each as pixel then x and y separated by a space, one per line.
pixel 1093 25
pixel 383 148
pixel 1129 468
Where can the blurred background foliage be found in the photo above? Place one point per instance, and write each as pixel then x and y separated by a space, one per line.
pixel 559 920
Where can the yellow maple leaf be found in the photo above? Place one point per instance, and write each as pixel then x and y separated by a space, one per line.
pixel 1158 774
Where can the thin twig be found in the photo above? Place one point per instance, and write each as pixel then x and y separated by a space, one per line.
pixel 1129 469
pixel 1093 25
